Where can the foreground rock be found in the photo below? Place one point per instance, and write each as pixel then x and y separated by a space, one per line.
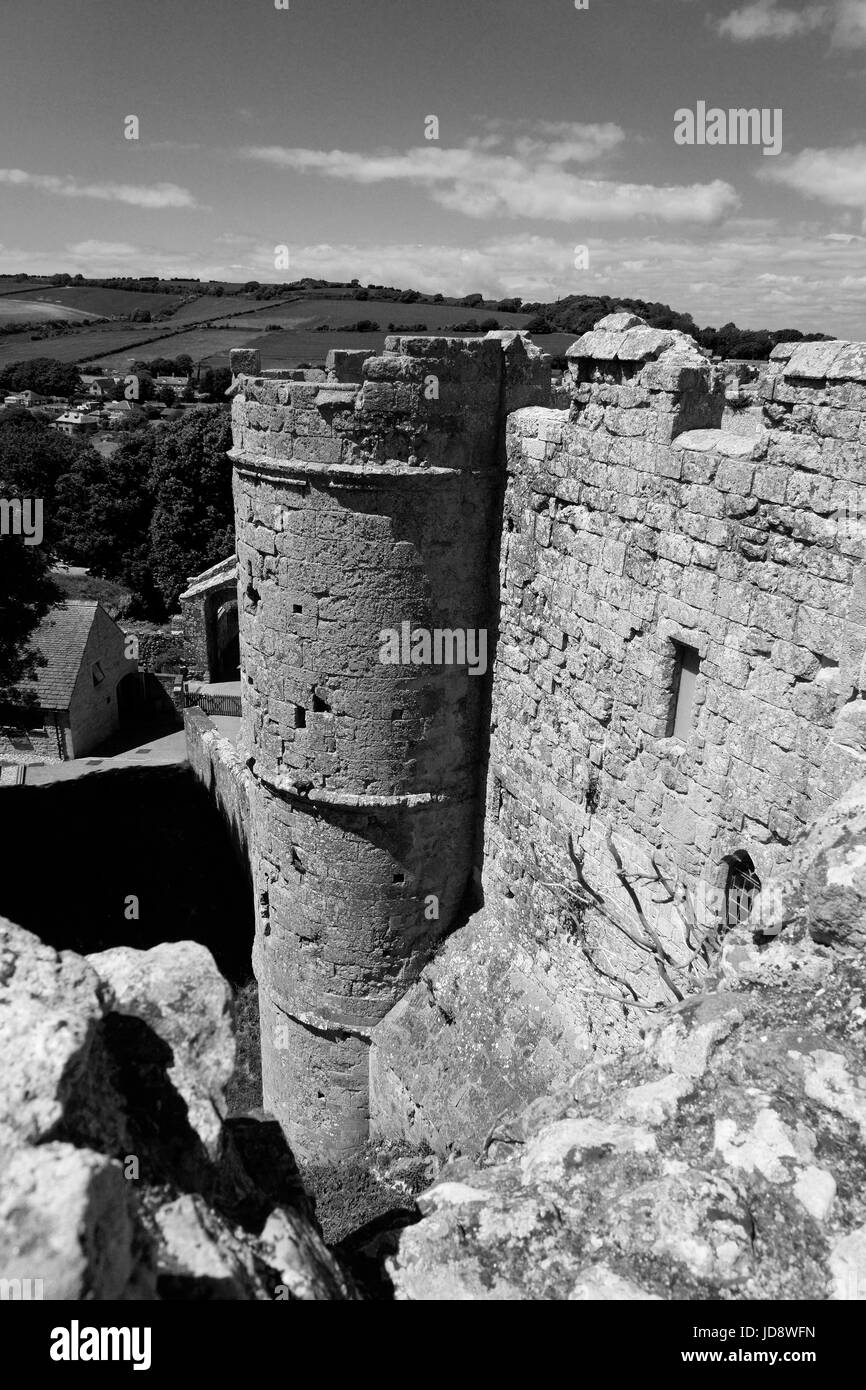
pixel 725 1160
pixel 176 990
pixel 120 1177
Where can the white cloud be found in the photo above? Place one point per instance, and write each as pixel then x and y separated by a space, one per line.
pixel 843 20
pixel 849 30
pixel 156 195
pixel 765 19
pixel 834 176
pixel 113 249
pixel 757 273
pixel 753 271
pixel 96 258
pixel 521 176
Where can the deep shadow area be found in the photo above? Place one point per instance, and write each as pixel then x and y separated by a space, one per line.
pixel 76 856
pixel 130 857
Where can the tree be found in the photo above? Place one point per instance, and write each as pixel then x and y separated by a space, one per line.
pixel 192 526
pixel 166 395
pixel 27 472
pixel 183 364
pixel 27 591
pixel 216 381
pixel 104 511
pixel 45 375
pixel 33 459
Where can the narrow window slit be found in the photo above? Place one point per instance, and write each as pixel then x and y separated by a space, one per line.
pixel 687 665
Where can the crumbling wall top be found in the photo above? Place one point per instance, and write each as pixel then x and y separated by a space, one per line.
pixel 627 338
pixel 829 361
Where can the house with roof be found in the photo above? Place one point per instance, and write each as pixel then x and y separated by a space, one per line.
pixel 74 702
pixel 75 422
pixel 102 388
pixel 25 398
pixel 123 410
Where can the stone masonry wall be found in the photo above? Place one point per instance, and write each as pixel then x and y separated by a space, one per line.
pixel 216 765
pixel 632 525
pixel 364 502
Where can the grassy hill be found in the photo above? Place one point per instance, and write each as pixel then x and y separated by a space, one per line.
pixel 311 324
pixel 25 310
pixel 301 323
pixel 100 302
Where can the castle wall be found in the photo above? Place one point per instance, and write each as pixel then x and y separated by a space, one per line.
pixel 632 523
pixel 216 765
pixel 363 507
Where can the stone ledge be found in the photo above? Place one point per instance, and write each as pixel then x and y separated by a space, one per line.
pixel 725 442
pixel 278 470
pixel 837 360
pixel 354 801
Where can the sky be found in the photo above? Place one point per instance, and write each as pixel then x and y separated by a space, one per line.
pixel 307 127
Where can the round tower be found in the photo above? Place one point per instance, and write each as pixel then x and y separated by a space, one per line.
pixel 365 501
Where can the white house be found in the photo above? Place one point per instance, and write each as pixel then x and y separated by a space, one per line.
pixel 75 422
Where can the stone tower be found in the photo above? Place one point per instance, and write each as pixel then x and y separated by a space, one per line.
pixel 366 499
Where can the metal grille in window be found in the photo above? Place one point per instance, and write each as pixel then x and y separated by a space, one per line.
pixel 742 891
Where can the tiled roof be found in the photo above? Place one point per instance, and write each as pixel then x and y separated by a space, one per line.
pixel 61 639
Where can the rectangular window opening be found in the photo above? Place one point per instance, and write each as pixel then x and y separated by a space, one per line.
pixel 687 665
pixel 300 717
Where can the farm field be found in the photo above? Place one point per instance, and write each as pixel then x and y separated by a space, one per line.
pixel 92 300
pixel 10 286
pixel 114 344
pixel 213 306
pixel 210 345
pixel 290 349
pixel 79 347
pixel 309 313
pixel 34 311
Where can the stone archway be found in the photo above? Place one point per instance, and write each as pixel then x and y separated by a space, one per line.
pixel 742 890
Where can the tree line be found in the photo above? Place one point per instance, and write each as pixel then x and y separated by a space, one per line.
pixel 154 513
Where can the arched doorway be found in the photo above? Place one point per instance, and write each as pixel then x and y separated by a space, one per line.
pixel 742 890
pixel 227 642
